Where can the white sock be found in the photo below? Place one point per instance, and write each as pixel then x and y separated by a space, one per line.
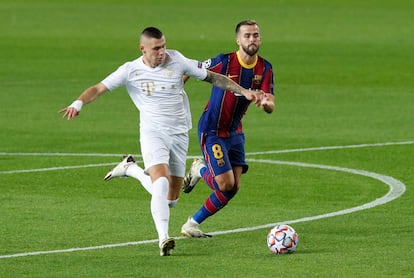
pixel 136 172
pixel 159 207
pixel 172 203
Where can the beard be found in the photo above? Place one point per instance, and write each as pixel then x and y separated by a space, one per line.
pixel 251 50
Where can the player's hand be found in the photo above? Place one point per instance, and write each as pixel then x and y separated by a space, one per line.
pixel 72 110
pixel 267 102
pixel 253 96
pixel 69 113
pixel 259 97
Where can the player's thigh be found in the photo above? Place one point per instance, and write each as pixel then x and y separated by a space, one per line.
pixel 178 154
pixel 154 148
pixel 237 154
pixel 216 155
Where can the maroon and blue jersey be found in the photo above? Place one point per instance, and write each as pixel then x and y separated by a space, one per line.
pixel 224 111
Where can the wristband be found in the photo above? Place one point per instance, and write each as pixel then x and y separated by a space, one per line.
pixel 77 104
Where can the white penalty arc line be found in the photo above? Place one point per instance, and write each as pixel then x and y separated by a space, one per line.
pixel 396 189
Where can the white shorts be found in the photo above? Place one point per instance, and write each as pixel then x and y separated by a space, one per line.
pixel 162 148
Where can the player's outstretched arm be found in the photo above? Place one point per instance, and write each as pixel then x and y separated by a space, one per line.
pixel 226 83
pixel 87 96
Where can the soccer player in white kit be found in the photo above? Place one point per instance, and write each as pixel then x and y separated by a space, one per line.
pixel 154 82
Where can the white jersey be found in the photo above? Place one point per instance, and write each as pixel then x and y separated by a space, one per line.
pixel 158 92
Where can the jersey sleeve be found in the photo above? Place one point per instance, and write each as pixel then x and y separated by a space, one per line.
pixel 192 67
pixel 268 79
pixel 117 78
pixel 214 64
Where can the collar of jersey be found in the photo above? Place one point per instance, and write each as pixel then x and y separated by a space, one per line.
pixel 244 65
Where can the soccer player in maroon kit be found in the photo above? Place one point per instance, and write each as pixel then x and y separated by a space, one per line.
pixel 220 131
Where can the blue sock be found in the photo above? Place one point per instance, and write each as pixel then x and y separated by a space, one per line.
pixel 216 201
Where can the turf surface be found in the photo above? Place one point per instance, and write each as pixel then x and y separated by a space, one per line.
pixel 344 77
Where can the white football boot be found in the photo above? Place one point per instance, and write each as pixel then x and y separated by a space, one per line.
pixel 193 175
pixel 120 169
pixel 167 247
pixel 191 229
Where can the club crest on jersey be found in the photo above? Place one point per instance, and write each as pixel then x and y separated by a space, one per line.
pixel 220 162
pixel 257 79
pixel 169 72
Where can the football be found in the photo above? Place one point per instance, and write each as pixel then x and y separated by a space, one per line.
pixel 282 239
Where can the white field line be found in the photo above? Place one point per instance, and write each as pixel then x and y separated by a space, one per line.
pixel 59 168
pixel 189 157
pixel 397 188
pixel 55 168
pixel 66 154
pixel 334 148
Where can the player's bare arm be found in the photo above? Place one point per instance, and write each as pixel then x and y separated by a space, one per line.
pixel 226 83
pixel 185 78
pixel 87 96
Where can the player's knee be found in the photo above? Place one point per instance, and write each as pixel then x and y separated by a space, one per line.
pixel 226 182
pixel 226 186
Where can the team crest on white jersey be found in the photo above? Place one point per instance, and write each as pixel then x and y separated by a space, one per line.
pixel 169 72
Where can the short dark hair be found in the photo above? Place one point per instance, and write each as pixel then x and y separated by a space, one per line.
pixel 245 22
pixel 152 32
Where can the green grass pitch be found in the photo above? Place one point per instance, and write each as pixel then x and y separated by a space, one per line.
pixel 344 98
